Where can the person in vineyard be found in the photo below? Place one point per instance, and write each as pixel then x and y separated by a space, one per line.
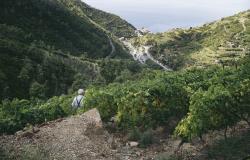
pixel 78 100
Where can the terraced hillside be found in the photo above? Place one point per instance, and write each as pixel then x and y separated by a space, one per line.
pixel 222 41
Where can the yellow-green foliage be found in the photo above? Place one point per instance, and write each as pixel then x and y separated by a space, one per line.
pixel 201 46
pixel 16 114
pixel 202 100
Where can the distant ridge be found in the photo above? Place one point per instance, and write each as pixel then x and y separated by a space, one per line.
pixel 202 46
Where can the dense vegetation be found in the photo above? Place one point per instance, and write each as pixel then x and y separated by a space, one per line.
pixel 49 49
pixel 17 114
pixel 62 24
pixel 40 72
pixel 54 25
pixel 224 41
pixel 110 22
pixel 200 100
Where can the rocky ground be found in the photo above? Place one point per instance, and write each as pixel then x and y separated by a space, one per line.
pixel 83 137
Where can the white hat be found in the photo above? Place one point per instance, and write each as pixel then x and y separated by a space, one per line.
pixel 80 91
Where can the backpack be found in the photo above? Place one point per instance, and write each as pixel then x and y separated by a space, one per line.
pixel 79 102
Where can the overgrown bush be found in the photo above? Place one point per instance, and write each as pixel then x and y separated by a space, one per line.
pixel 101 100
pixel 201 99
pixel 145 103
pixel 224 103
pixel 16 114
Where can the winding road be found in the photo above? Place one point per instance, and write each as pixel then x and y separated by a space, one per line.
pixel 154 60
pixel 112 46
pixel 142 54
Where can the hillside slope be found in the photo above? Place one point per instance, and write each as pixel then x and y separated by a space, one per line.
pixel 72 138
pixel 110 22
pixel 225 40
pixel 80 137
pixel 48 47
pixel 57 24
pixel 83 137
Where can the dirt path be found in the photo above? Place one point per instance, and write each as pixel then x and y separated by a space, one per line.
pixel 82 137
pixel 154 60
pixel 225 28
pixel 242 21
pixel 142 54
pixel 112 47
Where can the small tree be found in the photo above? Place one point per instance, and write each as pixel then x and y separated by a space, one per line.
pixel 37 90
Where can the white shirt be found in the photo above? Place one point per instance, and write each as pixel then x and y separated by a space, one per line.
pixel 77 102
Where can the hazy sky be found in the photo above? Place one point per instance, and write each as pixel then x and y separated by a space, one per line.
pixel 161 15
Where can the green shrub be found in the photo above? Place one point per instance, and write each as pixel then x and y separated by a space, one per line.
pixel 27 152
pixel 208 110
pixel 37 90
pixel 52 110
pixel 149 103
pixel 134 134
pixel 146 139
pixel 235 147
pixel 16 114
pixel 101 100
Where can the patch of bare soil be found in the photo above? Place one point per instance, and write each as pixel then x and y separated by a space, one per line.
pixel 77 137
pixel 83 137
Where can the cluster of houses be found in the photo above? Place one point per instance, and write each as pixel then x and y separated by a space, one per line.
pixel 142 31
